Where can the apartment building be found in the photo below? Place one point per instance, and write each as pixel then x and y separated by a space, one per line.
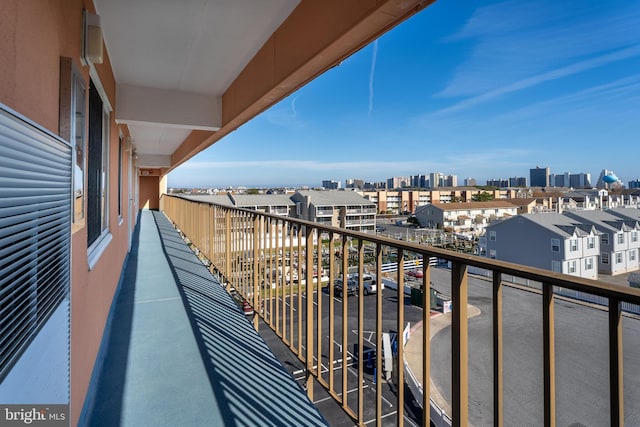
pixel 619 239
pixel 470 216
pixel 346 209
pixel 276 204
pixel 400 201
pixel 550 241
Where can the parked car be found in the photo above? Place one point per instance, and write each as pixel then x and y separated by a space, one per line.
pixel 352 287
pixel 417 274
pixel 369 283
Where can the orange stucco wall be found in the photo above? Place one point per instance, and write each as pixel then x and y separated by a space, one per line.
pixel 34 34
pixel 149 192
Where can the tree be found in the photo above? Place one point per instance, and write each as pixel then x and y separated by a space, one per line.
pixel 482 197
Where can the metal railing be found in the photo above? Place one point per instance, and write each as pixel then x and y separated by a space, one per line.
pixel 278 271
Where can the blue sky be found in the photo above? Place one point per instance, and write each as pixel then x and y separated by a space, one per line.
pixel 471 88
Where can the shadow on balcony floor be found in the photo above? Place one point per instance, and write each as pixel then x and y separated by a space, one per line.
pixel 180 353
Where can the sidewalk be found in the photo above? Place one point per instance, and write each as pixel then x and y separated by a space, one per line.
pixel 413 351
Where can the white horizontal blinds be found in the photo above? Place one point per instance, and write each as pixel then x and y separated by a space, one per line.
pixel 35 220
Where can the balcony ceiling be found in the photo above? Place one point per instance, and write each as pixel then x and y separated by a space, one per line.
pixel 188 72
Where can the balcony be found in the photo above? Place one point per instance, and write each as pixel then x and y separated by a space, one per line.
pixel 465 376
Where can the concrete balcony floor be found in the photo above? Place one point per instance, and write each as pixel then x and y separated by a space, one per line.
pixel 178 352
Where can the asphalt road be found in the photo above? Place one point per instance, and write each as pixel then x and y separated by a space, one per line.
pixel 582 366
pixel 328 407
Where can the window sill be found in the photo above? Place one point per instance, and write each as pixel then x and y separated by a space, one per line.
pixel 97 248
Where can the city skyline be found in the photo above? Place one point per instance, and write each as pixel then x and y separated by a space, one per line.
pixel 449 90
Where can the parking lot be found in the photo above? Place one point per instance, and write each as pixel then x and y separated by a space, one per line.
pixel 326 404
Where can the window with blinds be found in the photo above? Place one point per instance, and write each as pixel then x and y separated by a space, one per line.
pixel 35 231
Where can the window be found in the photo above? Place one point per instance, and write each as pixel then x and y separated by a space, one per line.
pixel 634 236
pixel 72 129
pixel 620 239
pixel 492 236
pixel 573 245
pixel 120 177
pixel 555 245
pixel 588 263
pixel 618 257
pixel 34 235
pixel 97 168
pixel 572 266
pixel 604 258
pixel 632 255
pixel 591 242
pixel 492 254
pixel 556 266
pixel 604 239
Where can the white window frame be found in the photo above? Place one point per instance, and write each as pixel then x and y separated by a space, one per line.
pixel 555 245
pixel 573 245
pixel 604 239
pixel 492 235
pixel 591 242
pixel 588 263
pixel 620 238
pixel 556 266
pixel 95 250
pixel 634 236
pixel 571 265
pixel 604 258
pixel 632 255
pixel 619 258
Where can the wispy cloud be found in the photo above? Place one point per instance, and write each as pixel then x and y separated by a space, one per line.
pixel 513 40
pixel 528 82
pixel 285 115
pixel 372 74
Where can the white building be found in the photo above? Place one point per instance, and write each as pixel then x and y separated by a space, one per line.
pixel 469 216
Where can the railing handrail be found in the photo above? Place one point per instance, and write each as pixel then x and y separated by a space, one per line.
pixel 592 286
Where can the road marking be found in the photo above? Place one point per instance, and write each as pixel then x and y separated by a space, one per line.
pixel 384 416
pixel 340 394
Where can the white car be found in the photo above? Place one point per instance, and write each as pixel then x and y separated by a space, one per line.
pixel 369 283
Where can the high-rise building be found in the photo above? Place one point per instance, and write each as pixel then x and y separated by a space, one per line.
pixel 470 182
pixel 419 181
pixel 331 185
pixel 500 183
pixel 518 181
pixel 580 180
pixel 398 182
pixel 539 177
pixel 354 183
pixel 634 184
pixel 435 180
pixel 450 181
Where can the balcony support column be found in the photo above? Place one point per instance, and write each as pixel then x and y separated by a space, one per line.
pixel 548 320
pixel 459 346
pixel 616 372
pixel 256 268
pixel 498 418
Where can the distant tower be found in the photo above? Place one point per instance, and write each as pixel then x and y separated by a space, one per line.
pixel 539 177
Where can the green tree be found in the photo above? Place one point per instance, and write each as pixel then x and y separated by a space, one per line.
pixel 253 191
pixel 482 197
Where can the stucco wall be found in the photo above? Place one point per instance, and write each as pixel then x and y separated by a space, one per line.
pixel 34 34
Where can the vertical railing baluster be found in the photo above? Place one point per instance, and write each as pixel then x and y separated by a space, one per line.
pixel 459 345
pixel 256 266
pixel 426 342
pixel 400 340
pixel 616 371
pixel 299 274
pixel 379 331
pixel 309 310
pixel 498 418
pixel 290 273
pixel 276 281
pixel 548 332
pixel 318 293
pixel 283 279
pixel 345 319
pixel 227 248
pixel 360 331
pixel 332 312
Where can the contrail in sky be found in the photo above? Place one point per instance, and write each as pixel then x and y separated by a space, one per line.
pixel 371 74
